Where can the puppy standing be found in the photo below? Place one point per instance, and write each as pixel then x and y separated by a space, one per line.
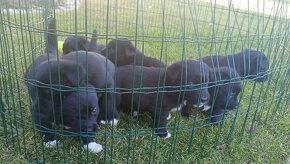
pixel 174 78
pixel 53 106
pixel 224 88
pixel 250 64
pixel 123 52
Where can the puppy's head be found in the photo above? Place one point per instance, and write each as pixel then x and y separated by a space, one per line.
pixel 195 75
pixel 121 50
pixel 259 65
pixel 73 43
pixel 225 87
pixel 81 109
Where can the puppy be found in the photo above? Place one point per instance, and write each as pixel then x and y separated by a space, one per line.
pixel 249 64
pixel 47 102
pixel 73 43
pixel 122 52
pixel 224 88
pixel 101 75
pixel 158 101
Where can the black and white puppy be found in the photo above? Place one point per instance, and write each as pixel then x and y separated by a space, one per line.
pixel 73 43
pixel 122 52
pixel 158 101
pixel 224 88
pixel 101 75
pixel 250 64
pixel 51 106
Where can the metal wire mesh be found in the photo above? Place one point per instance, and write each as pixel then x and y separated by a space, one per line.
pixel 170 31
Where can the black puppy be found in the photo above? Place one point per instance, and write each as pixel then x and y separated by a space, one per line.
pixel 152 99
pixel 100 75
pixel 250 64
pixel 224 88
pixel 73 43
pixel 123 51
pixel 47 101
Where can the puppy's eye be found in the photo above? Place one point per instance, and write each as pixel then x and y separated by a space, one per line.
pixel 94 110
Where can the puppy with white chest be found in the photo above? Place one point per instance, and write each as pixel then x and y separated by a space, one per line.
pixel 249 64
pixel 122 52
pixel 178 79
pixel 224 88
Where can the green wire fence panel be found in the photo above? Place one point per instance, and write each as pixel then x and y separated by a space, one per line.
pixel 167 30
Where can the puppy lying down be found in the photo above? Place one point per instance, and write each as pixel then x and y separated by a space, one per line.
pixel 224 88
pixel 249 64
pixel 73 43
pixel 157 101
pixel 122 52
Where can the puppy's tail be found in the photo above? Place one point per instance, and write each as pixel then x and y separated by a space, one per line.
pixel 51 37
pixel 93 45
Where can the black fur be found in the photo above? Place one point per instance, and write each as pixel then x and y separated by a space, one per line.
pixel 250 64
pixel 73 43
pixel 62 73
pixel 100 75
pixel 224 88
pixel 175 80
pixel 123 51
pixel 47 102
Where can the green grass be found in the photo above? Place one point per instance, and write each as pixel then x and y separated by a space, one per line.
pixel 265 109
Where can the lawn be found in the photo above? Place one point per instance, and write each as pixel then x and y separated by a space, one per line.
pixel 257 132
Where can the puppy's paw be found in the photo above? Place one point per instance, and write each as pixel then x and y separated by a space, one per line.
pixel 135 113
pixel 67 127
pixel 50 143
pixel 206 108
pixel 93 147
pixel 185 115
pixel 168 117
pixel 165 135
pixel 200 105
pixel 173 109
pixel 114 122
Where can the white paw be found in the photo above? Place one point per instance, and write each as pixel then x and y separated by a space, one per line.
pixel 66 127
pixel 168 135
pixel 168 117
pixel 200 105
pixel 114 122
pixel 93 147
pixel 135 113
pixel 50 143
pixel 206 108
pixel 173 109
pixel 184 102
pixel 103 122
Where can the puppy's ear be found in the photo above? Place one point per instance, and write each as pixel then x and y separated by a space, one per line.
pixel 130 49
pixel 173 72
pixel 83 44
pixel 71 74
